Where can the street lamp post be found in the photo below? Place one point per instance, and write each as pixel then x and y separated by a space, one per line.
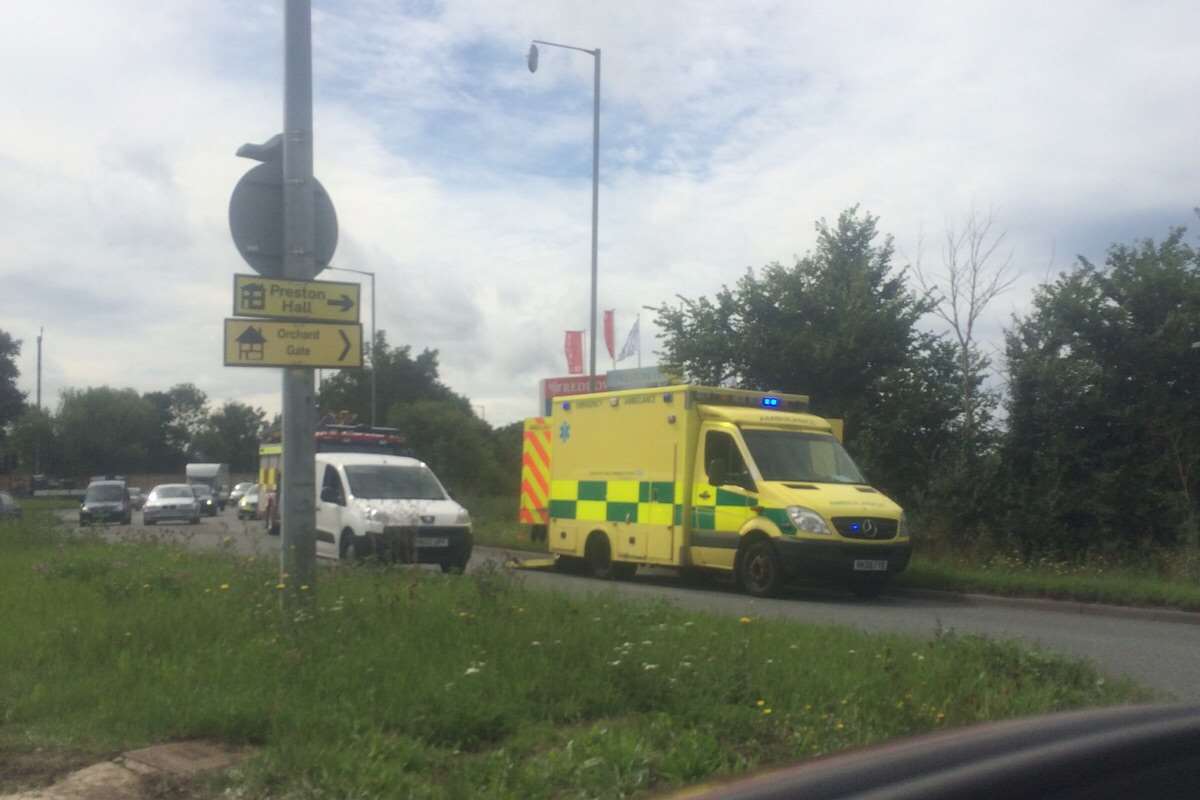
pixel 533 64
pixel 371 275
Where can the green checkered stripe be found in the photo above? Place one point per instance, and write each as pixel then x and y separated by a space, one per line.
pixel 649 503
pixel 705 517
pixel 644 502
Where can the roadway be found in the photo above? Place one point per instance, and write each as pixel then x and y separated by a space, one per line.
pixel 1161 655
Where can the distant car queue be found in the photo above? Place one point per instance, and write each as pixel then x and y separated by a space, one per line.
pixel 109 498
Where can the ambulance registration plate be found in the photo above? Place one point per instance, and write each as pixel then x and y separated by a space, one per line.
pixel 432 541
pixel 869 565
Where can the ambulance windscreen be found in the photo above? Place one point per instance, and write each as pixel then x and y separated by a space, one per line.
pixel 801 456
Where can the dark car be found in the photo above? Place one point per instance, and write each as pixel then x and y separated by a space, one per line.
pixel 106 501
pixel 9 507
pixel 205 498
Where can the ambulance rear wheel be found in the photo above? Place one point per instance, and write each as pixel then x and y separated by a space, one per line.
pixel 597 557
pixel 759 569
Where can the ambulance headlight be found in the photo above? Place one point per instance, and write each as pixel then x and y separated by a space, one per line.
pixel 902 529
pixel 806 520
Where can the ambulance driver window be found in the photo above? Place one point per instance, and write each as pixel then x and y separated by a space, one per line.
pixel 723 461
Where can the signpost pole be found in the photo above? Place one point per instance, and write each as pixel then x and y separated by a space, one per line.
pixel 298 498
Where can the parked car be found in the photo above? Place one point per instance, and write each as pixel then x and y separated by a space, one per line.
pixel 206 499
pixel 171 501
pixel 239 492
pixel 9 507
pixel 106 500
pixel 248 504
pixel 137 498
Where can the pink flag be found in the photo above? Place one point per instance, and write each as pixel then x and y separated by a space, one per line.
pixel 609 333
pixel 574 349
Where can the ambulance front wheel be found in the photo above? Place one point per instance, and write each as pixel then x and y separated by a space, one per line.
pixel 759 569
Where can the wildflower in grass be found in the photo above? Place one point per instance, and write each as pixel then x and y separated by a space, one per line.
pixel 746 621
pixel 688 624
pixel 766 712
pixel 840 725
pixel 647 642
pixel 535 643
pixel 940 716
pixel 472 671
pixel 145 586
pixel 304 587
pixel 760 703
pixel 224 587
pixel 648 667
pixel 616 663
pixel 281 586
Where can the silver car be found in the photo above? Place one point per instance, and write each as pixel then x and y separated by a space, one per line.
pixel 171 501
pixel 239 492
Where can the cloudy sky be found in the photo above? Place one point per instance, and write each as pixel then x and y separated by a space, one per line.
pixel 464 181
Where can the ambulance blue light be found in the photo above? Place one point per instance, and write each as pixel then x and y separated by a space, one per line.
pixel 770 402
pixel 566 405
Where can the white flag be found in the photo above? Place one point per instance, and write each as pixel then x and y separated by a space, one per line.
pixel 633 342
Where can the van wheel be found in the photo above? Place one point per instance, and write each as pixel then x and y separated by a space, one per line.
pixel 597 556
pixel 351 547
pixel 759 569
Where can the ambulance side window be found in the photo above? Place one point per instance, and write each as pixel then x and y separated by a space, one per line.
pixel 723 461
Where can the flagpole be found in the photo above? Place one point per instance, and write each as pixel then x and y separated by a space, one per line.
pixel 639 342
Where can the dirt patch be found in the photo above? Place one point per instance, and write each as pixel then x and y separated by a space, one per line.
pixel 34 769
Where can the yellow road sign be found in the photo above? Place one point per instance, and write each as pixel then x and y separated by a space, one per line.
pixel 278 298
pixel 264 343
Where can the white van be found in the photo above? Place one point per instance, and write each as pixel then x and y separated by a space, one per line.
pixel 390 507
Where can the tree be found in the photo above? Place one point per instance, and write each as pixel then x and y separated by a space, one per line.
pixel 182 414
pixel 840 326
pixel 105 430
pixel 1103 447
pixel 231 435
pixel 975 271
pixel 35 442
pixel 12 399
pixel 400 379
pixel 974 274
pixel 455 443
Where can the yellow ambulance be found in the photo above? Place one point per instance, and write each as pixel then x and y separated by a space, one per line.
pixel 696 477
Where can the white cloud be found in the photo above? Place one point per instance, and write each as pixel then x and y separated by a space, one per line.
pixel 464 182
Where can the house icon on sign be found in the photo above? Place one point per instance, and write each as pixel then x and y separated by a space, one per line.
pixel 254 296
pixel 250 344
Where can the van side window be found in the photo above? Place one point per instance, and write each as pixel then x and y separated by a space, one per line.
pixel 332 486
pixel 721 451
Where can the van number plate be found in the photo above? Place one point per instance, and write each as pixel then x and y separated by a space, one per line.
pixel 441 541
pixel 869 565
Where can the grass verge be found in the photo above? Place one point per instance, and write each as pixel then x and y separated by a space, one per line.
pixel 410 683
pixel 1116 585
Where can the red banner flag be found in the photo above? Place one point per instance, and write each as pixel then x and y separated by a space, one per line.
pixel 609 333
pixel 574 350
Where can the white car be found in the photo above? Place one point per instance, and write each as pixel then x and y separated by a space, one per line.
pixel 390 507
pixel 171 501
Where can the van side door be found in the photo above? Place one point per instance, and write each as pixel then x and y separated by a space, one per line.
pixel 331 505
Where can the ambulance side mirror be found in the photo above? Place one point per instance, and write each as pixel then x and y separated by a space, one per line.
pixel 716 473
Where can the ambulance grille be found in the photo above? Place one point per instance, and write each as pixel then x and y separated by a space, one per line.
pixel 878 529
